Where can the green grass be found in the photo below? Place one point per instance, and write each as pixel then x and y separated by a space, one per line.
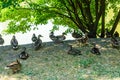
pixel 53 63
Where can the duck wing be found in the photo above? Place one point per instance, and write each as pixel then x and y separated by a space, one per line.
pixel 34 39
pixel 38 44
pixel 95 51
pixel 14 42
pixel 60 37
pixel 74 52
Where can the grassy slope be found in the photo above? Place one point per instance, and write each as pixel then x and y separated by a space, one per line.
pixel 53 63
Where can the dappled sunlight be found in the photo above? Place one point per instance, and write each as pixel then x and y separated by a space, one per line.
pixel 13 77
pixel 116 78
pixel 7 78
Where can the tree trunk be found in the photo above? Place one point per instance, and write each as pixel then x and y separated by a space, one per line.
pixel 115 23
pixel 92 31
pixel 103 21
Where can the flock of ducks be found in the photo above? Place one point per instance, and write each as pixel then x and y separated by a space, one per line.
pixel 37 43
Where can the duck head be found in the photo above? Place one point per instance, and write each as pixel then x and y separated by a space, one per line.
pixel 14 37
pixel 39 36
pixel 34 35
pixel 51 33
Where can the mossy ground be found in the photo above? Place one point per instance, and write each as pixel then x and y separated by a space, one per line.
pixel 52 62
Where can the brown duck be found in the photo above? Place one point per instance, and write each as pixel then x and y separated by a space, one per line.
pixel 83 39
pixel 14 66
pixel 73 51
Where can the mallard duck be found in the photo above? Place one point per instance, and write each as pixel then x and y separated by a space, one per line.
pixel 38 43
pixel 76 35
pixel 58 38
pixel 115 42
pixel 95 50
pixel 14 66
pixel 116 34
pixel 14 43
pixel 23 55
pixel 1 40
pixel 34 38
pixel 73 51
pixel 83 39
pixel 52 36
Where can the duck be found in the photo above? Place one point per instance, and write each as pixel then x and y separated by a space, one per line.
pixel 83 39
pixel 52 36
pixel 14 66
pixel 115 42
pixel 116 34
pixel 38 43
pixel 73 51
pixel 34 38
pixel 95 50
pixel 23 55
pixel 1 40
pixel 76 35
pixel 14 43
pixel 58 38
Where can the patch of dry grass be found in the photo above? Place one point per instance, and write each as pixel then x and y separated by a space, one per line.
pixel 52 62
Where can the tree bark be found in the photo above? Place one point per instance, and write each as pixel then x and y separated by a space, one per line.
pixel 103 21
pixel 115 23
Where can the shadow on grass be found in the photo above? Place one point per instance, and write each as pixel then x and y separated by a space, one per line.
pixel 52 62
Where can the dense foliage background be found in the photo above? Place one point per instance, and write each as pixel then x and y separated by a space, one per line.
pixel 91 16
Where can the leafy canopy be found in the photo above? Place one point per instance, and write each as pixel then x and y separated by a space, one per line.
pixel 71 13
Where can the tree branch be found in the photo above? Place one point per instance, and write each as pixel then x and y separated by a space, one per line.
pixel 115 23
pixel 81 9
pixel 98 15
